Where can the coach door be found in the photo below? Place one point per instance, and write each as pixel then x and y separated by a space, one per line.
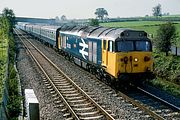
pixel 105 52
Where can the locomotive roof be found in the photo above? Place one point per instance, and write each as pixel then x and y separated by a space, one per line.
pixel 103 32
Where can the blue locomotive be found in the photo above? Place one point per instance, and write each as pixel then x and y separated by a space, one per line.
pixel 106 52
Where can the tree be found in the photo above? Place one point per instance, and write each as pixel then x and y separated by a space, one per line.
pixel 94 22
pixel 9 14
pixel 5 27
pixel 63 18
pixel 100 13
pixel 157 10
pixel 56 19
pixel 166 35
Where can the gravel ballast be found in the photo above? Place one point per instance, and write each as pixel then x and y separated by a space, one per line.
pixel 105 96
pixel 31 79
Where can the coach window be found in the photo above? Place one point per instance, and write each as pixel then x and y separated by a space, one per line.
pixel 110 46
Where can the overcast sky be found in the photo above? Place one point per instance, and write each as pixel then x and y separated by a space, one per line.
pixel 86 8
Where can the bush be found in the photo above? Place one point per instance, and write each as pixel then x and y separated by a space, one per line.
pixel 14 100
pixel 94 22
pixel 167 67
pixel 166 35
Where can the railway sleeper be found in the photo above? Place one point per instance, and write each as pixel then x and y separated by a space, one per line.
pixel 84 109
pixel 57 102
pixel 62 84
pixel 59 105
pixel 81 104
pixel 57 98
pixel 77 101
pixel 67 89
pixel 74 98
pixel 49 87
pixel 70 118
pixel 67 115
pixel 88 113
pixel 59 79
pixel 69 86
pixel 53 92
pixel 55 95
pixel 92 118
pixel 72 95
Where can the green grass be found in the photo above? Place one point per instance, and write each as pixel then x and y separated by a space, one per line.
pixel 149 26
pixel 167 86
pixel 132 24
pixel 168 68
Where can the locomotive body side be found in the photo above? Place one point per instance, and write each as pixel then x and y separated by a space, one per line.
pixel 84 50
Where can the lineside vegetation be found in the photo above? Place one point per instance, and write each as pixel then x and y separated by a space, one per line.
pixel 7 23
pixel 167 68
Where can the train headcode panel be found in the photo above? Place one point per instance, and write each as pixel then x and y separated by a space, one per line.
pixel 32 105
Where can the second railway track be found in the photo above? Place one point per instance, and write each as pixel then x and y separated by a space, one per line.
pixel 77 103
pixel 73 96
pixel 159 107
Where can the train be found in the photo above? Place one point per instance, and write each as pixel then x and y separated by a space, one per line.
pixel 109 53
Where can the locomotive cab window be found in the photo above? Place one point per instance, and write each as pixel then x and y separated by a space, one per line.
pixel 110 46
pixel 143 46
pixel 125 46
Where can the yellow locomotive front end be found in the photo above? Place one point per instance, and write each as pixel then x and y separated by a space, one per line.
pixel 130 55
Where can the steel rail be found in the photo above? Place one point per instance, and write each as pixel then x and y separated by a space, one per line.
pixel 105 113
pixel 135 103
pixel 154 96
pixel 69 107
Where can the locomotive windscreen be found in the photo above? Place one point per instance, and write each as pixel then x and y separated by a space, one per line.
pixel 125 46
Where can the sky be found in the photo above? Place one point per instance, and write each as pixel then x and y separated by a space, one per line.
pixel 83 9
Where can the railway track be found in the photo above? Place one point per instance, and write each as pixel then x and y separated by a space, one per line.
pixel 76 103
pixel 157 113
pixel 155 106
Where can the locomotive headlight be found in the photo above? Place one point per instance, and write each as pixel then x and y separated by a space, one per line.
pixel 135 59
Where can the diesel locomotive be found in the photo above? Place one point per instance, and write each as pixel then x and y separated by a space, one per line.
pixel 106 52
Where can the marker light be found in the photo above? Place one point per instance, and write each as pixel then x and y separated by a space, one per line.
pixel 135 59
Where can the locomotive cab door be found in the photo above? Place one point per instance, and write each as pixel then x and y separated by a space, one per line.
pixel 104 53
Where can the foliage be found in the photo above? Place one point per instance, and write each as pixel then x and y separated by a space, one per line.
pixel 7 22
pixel 9 14
pixel 166 35
pixel 4 38
pixel 157 10
pixel 14 100
pixel 150 27
pixel 63 18
pixel 100 13
pixel 94 22
pixel 167 67
pixel 167 86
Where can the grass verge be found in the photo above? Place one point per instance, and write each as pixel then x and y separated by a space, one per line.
pixel 167 86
